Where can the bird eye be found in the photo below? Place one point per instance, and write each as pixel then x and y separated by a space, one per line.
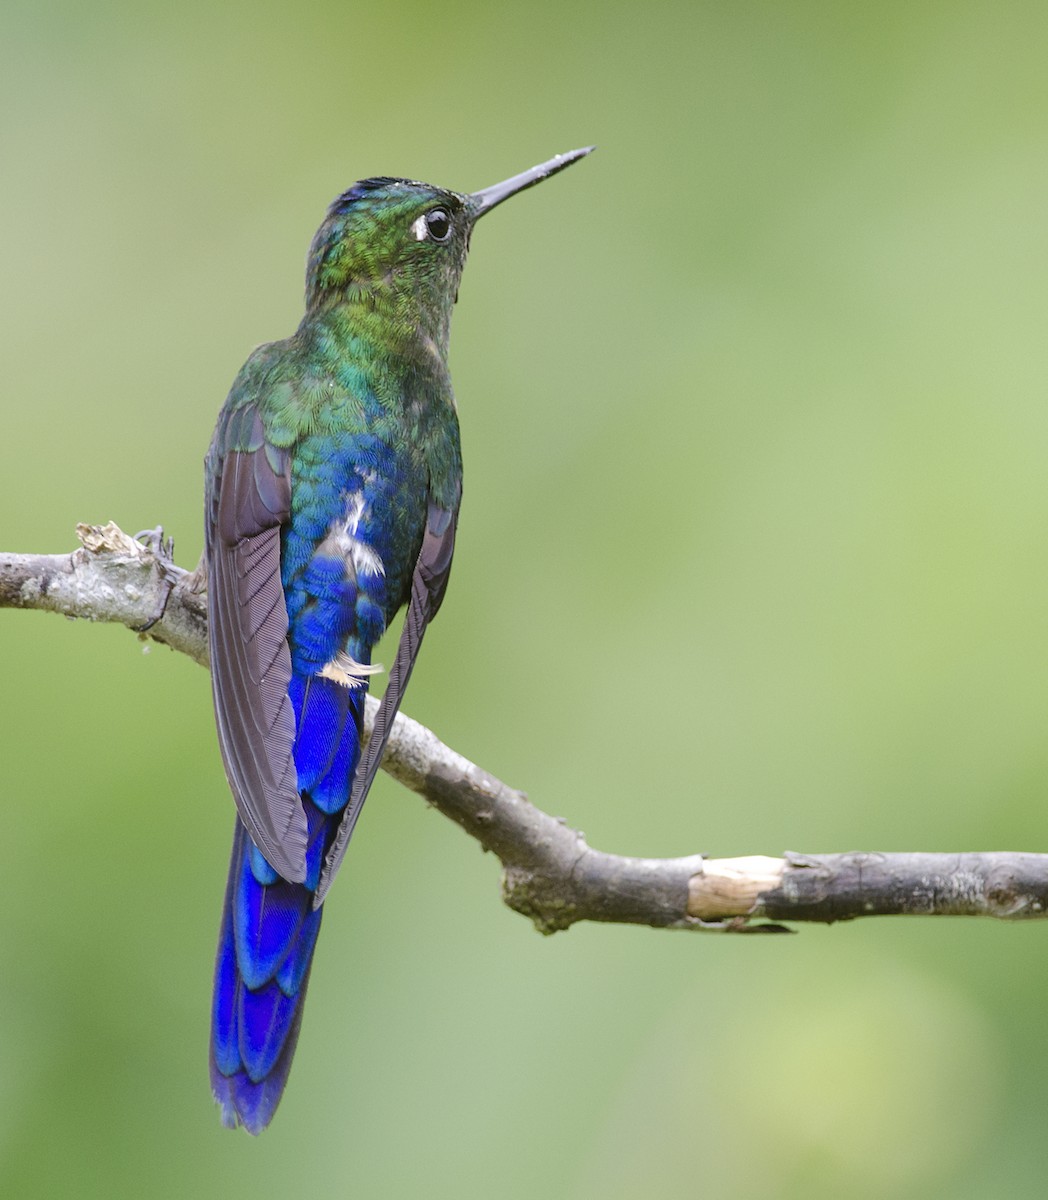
pixel 438 224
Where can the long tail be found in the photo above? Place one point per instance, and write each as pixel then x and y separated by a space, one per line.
pixel 269 926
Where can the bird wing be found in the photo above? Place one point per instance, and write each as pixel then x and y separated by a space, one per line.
pixel 248 501
pixel 428 583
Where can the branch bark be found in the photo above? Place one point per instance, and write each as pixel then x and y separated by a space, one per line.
pixel 550 874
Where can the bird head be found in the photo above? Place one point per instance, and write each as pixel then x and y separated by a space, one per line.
pixel 397 247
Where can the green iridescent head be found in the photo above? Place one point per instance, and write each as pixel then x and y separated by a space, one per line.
pixel 398 246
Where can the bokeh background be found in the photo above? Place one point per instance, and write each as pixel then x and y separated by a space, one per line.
pixel 754 556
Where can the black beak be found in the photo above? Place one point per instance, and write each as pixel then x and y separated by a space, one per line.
pixel 486 199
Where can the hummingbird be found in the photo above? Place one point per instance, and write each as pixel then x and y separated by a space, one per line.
pixel 332 490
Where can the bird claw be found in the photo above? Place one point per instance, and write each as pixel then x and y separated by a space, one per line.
pixel 163 551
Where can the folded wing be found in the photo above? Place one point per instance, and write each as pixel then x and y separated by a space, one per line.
pixel 249 501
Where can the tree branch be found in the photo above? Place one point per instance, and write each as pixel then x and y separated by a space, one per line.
pixel 550 874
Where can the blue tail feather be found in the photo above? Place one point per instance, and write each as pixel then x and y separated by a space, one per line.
pixel 321 722
pixel 266 922
pixel 264 1019
pixel 261 869
pixel 225 1049
pixel 318 838
pixel 293 970
pixel 330 791
pixel 269 926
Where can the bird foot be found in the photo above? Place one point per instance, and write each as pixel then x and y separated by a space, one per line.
pixel 163 551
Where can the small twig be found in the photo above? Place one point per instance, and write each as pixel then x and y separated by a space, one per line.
pixel 550 874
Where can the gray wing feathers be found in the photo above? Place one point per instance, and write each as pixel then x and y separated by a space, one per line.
pixel 250 658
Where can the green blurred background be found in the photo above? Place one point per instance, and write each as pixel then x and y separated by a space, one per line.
pixel 754 556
